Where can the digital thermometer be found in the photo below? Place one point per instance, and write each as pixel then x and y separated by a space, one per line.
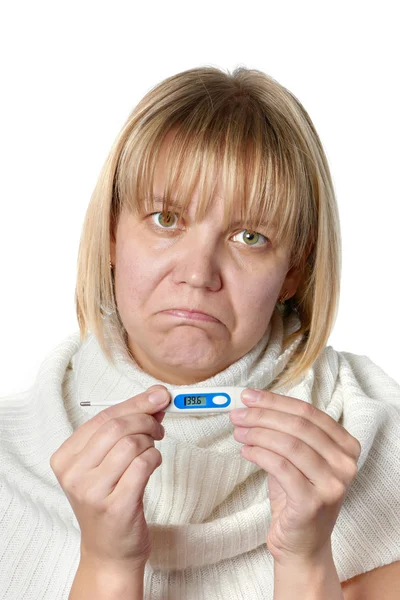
pixel 197 400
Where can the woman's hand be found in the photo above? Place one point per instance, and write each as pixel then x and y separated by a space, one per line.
pixel 311 461
pixel 103 468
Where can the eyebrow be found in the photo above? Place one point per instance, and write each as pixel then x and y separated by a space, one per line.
pixel 174 204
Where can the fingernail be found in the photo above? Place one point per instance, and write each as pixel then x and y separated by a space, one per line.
pixel 251 395
pixel 159 396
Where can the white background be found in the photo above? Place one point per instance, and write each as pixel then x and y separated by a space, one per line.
pixel 72 71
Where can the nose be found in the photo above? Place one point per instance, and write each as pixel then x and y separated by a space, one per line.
pixel 197 263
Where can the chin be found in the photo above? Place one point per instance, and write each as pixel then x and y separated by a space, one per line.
pixel 187 347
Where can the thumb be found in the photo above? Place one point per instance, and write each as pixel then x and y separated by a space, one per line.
pixel 158 397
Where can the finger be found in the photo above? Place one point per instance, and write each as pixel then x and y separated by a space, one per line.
pixel 293 482
pixel 106 476
pixel 298 427
pixel 294 406
pixel 138 404
pixel 306 460
pixel 153 400
pixel 159 416
pixel 112 433
pixel 130 488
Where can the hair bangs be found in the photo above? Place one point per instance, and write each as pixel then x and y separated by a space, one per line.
pixel 241 162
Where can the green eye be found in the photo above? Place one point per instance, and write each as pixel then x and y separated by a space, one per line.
pixel 167 217
pixel 165 220
pixel 252 237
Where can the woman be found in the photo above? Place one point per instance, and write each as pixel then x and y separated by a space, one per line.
pixel 210 255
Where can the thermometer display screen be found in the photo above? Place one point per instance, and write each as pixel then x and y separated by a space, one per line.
pixel 195 400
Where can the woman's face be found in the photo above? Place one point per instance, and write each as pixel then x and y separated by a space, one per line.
pixel 229 275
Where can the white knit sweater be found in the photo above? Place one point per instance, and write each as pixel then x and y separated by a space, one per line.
pixel 206 505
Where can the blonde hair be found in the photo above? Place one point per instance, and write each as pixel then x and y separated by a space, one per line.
pixel 254 133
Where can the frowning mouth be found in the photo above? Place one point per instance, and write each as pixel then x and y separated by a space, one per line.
pixel 184 313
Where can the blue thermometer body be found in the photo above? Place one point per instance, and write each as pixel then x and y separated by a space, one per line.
pixel 198 400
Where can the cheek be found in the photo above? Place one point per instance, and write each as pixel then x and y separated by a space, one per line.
pixel 134 277
pixel 256 307
pixel 258 293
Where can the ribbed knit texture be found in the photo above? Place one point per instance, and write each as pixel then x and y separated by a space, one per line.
pixel 207 506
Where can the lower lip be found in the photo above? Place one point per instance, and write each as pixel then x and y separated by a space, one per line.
pixel 183 314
